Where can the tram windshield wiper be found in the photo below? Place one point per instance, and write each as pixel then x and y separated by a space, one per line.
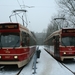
pixel 0 41
pixel 16 43
pixel 63 43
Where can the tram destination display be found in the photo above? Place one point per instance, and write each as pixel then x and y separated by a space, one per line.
pixel 8 26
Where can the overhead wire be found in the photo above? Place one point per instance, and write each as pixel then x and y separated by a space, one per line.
pixel 19 4
pixel 23 13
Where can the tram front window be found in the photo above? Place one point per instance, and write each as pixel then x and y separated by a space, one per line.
pixel 68 41
pixel 9 40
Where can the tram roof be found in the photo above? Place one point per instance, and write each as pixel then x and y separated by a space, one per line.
pixel 21 27
pixel 58 32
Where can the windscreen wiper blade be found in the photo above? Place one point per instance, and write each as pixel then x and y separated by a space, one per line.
pixel 16 44
pixel 63 43
pixel 0 41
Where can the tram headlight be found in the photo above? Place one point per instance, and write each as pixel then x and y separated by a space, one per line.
pixel 15 57
pixel 64 53
pixel 0 57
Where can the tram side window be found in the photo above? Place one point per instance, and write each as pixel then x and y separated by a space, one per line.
pixel 32 41
pixel 50 41
pixel 24 39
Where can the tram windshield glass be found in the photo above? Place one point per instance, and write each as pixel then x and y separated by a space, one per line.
pixel 9 40
pixel 68 41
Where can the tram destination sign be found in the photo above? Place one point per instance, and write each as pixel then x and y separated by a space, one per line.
pixel 68 31
pixel 8 26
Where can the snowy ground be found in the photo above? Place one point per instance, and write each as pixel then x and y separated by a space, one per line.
pixel 46 66
pixel 71 65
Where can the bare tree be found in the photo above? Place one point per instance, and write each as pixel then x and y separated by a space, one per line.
pixel 68 9
pixel 51 28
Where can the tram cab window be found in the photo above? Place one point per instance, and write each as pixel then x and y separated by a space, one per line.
pixel 68 41
pixel 9 40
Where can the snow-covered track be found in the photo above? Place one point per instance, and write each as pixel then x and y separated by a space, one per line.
pixel 20 70
pixel 7 70
pixel 65 65
pixel 68 68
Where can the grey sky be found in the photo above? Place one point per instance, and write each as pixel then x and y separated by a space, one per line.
pixel 38 17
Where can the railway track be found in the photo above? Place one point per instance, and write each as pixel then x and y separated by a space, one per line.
pixel 4 70
pixel 14 70
pixel 20 70
pixel 63 64
pixel 67 67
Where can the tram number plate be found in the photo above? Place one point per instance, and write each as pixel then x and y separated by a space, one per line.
pixel 70 53
pixel 7 56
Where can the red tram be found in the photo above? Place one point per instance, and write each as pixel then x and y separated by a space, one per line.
pixel 61 44
pixel 17 44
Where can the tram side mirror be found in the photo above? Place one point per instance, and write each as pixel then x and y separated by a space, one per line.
pixel 54 40
pixel 22 43
pixel 53 37
pixel 57 39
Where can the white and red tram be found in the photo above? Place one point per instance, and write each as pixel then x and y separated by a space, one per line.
pixel 17 44
pixel 61 44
